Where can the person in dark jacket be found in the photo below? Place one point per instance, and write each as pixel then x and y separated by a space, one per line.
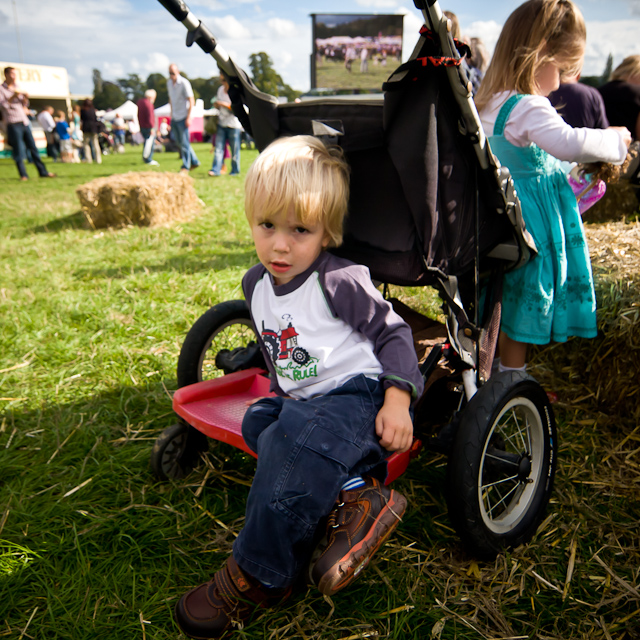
pixel 147 121
pixel 622 95
pixel 90 130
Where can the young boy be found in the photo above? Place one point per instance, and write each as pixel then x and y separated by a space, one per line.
pixel 64 135
pixel 343 365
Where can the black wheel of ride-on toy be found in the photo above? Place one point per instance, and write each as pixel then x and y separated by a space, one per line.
pixel 502 464
pixel 221 340
pixel 176 452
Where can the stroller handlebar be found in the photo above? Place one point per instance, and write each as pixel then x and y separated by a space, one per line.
pixel 177 8
pixel 198 33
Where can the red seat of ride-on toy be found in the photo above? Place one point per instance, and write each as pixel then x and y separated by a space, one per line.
pixel 216 408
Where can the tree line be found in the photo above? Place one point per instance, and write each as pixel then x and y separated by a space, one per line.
pixel 109 94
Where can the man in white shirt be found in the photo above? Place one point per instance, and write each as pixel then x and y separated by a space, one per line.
pixel 45 118
pixel 182 102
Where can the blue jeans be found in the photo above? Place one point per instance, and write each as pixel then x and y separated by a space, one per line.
pixel 119 136
pixel 181 133
pixel 20 138
pixel 146 134
pixel 233 136
pixel 306 450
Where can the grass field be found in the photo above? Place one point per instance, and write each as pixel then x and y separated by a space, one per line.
pixel 333 74
pixel 91 324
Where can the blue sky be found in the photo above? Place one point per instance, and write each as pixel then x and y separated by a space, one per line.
pixel 139 36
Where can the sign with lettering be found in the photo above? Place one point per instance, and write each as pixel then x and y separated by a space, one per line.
pixel 39 81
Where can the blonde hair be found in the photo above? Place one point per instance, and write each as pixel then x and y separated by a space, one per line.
pixel 300 171
pixel 627 69
pixel 537 32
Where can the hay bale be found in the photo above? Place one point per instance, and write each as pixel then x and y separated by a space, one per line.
pixel 602 373
pixel 138 198
pixel 619 203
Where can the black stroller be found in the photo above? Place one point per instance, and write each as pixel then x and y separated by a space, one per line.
pixel 430 206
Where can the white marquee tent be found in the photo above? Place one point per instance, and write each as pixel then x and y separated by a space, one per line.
pixel 128 110
pixel 198 110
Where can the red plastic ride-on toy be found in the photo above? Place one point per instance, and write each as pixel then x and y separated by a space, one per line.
pixel 429 206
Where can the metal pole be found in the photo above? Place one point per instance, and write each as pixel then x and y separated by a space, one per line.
pixel 15 17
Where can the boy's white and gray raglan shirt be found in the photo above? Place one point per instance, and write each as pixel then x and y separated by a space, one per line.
pixel 328 325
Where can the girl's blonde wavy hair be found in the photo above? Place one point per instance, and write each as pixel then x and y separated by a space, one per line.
pixel 628 69
pixel 537 32
pixel 302 172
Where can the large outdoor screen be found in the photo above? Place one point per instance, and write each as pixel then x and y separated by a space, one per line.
pixel 354 52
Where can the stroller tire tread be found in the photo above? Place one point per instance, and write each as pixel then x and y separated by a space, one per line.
pixel 502 465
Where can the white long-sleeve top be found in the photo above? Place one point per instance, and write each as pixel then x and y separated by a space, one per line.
pixel 535 120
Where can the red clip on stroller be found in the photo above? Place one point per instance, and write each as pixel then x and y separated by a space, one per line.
pixel 429 206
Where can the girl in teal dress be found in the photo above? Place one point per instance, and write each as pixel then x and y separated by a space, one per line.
pixel 552 296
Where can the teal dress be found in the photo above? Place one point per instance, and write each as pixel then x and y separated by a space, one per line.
pixel 552 296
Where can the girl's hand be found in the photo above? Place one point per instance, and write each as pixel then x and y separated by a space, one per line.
pixel 625 134
pixel 394 426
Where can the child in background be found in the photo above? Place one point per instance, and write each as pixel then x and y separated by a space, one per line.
pixel 64 134
pixel 343 365
pixel 551 297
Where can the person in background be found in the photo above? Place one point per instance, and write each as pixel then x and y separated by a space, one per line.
pixel 64 134
pixel 147 120
pixel 229 130
pixel 182 101
pixel 478 62
pixel 90 131
pixel 76 133
pixel 118 128
pixel 579 104
pixel 622 95
pixel 457 35
pixel 552 297
pixel 364 60
pixel 14 104
pixel 455 24
pixel 45 118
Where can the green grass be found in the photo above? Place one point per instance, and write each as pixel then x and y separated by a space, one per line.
pixel 91 324
pixel 333 74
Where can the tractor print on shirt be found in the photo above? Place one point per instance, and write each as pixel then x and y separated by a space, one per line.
pixel 290 360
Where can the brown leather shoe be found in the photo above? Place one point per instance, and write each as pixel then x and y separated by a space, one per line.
pixel 230 598
pixel 358 525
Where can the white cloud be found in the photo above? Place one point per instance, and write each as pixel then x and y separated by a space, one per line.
pixel 600 43
pixel 229 27
pixel 378 4
pixel 487 30
pixel 113 70
pixel 156 63
pixel 214 5
pixel 411 26
pixel 72 14
pixel 282 28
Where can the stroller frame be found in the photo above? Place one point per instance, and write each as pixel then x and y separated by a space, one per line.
pixel 498 431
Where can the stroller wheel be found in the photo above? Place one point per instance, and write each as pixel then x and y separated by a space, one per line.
pixel 502 464
pixel 226 326
pixel 176 451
